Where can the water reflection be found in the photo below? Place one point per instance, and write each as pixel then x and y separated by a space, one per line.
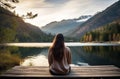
pixel 37 60
pixel 100 55
pixel 27 52
pixel 81 56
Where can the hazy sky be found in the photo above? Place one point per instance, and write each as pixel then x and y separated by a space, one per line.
pixel 56 10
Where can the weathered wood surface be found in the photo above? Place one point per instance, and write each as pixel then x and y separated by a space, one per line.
pixel 82 71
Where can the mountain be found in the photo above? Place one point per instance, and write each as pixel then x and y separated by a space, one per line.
pixel 14 29
pixel 65 25
pixel 100 19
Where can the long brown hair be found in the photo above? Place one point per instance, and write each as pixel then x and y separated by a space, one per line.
pixel 57 49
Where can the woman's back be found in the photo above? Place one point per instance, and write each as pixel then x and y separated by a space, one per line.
pixel 60 67
pixel 59 56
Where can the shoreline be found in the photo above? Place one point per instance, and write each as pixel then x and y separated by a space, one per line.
pixel 48 44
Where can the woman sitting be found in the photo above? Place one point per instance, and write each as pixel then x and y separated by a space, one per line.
pixel 59 57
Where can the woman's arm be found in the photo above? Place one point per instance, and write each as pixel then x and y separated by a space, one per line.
pixel 69 56
pixel 50 58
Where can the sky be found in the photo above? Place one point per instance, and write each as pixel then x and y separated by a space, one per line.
pixel 57 10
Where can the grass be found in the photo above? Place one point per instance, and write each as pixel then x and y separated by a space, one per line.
pixel 8 60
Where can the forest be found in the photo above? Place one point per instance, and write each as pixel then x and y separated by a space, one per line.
pixel 109 32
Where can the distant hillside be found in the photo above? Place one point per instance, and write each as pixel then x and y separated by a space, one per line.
pixel 102 18
pixel 64 26
pixel 14 29
pixel 109 32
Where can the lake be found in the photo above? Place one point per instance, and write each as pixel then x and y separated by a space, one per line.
pixel 83 54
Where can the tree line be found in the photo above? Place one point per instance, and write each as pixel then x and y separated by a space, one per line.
pixel 109 32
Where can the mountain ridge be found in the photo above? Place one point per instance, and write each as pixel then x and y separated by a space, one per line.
pixel 108 15
pixel 65 25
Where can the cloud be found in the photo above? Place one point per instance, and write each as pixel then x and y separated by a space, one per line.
pixel 33 3
pixel 56 1
pixel 43 3
pixel 56 10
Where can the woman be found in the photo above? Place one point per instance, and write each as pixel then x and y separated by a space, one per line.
pixel 59 57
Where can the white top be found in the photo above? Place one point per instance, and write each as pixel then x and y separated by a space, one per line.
pixel 62 67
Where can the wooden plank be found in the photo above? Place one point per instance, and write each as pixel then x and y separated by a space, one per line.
pixel 82 71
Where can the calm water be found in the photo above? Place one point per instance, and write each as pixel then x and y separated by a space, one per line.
pixel 83 54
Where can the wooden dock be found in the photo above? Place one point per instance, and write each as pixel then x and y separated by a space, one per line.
pixel 28 72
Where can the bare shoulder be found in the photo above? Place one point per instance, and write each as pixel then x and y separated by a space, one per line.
pixel 68 49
